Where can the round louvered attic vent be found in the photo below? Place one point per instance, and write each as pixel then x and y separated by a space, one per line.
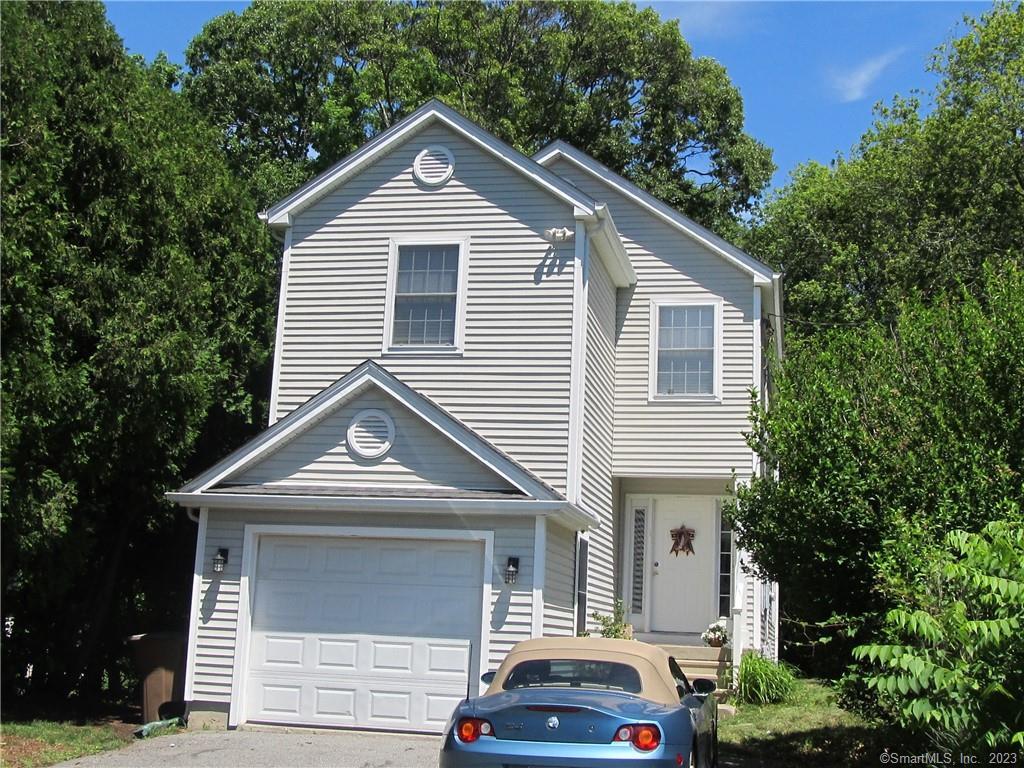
pixel 371 433
pixel 434 165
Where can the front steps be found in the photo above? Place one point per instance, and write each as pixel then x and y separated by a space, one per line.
pixel 702 661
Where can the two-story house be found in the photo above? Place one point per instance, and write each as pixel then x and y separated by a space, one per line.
pixel 507 391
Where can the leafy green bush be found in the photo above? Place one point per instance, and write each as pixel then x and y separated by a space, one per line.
pixel 763 681
pixel 958 674
pixel 614 626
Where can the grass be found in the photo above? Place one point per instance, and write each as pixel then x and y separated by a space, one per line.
pixel 808 730
pixel 44 742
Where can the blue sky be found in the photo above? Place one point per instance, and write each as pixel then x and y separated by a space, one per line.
pixel 809 72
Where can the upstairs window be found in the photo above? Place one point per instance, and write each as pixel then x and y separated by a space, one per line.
pixel 685 350
pixel 426 297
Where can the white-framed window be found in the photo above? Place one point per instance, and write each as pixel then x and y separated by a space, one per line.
pixel 686 348
pixel 426 299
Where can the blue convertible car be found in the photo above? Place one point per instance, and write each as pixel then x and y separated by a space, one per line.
pixel 585 703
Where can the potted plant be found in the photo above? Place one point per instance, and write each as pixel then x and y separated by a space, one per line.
pixel 716 634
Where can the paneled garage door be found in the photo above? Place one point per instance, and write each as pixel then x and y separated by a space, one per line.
pixel 363 632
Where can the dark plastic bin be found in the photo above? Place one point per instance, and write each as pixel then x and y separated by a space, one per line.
pixel 159 661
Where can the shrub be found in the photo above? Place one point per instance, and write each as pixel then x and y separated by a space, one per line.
pixel 954 670
pixel 762 681
pixel 615 625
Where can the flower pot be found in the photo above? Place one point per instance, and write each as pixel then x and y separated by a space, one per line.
pixel 715 642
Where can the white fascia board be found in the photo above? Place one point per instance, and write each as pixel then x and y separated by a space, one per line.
pixel 568 513
pixel 540 548
pixel 274 435
pixel 608 244
pixel 281 213
pixel 760 271
pixel 369 373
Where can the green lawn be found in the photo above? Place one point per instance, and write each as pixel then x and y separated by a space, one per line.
pixel 43 742
pixel 809 730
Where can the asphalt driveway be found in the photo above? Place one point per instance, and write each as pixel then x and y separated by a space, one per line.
pixel 272 749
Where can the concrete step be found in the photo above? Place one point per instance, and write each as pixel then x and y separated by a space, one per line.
pixel 698 653
pixel 702 661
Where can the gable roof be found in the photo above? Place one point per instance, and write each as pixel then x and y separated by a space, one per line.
pixel 761 272
pixel 347 387
pixel 280 214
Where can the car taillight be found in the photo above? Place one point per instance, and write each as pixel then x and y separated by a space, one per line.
pixel 469 729
pixel 643 736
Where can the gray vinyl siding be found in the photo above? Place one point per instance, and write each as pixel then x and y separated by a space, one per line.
pixel 511 384
pixel 559 581
pixel 419 455
pixel 663 438
pixel 510 617
pixel 598 430
pixel 217 612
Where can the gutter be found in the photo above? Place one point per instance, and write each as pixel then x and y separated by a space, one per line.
pixel 777 317
pixel 578 518
pixel 607 236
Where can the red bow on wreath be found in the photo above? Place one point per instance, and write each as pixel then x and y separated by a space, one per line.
pixel 682 540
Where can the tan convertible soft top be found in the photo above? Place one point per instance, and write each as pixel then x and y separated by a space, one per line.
pixel 651 662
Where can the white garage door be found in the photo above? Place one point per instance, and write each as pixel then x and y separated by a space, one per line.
pixel 363 632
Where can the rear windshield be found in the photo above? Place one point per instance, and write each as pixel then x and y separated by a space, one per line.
pixel 573 673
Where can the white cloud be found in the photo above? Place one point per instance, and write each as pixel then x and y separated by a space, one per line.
pixel 708 19
pixel 853 84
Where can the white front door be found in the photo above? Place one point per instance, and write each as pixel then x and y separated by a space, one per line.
pixel 363 632
pixel 684 598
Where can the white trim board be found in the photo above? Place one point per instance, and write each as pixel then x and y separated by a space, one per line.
pixel 275 385
pixel 250 549
pixel 193 619
pixel 760 271
pixel 577 364
pixel 570 515
pixel 282 213
pixel 540 553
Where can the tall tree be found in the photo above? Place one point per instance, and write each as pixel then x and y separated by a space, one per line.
pixel 137 301
pixel 296 86
pixel 898 411
pixel 925 199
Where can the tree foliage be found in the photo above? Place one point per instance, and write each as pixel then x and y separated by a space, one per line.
pixel 923 201
pixel 297 86
pixel 955 665
pixel 898 414
pixel 136 314
pixel 879 440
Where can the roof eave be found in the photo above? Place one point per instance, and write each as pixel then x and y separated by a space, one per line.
pixel 609 244
pixel 564 511
pixel 760 272
pixel 365 374
pixel 281 213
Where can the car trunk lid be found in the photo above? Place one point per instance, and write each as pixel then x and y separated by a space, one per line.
pixel 568 716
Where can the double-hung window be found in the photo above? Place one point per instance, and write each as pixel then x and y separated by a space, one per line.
pixel 425 304
pixel 685 349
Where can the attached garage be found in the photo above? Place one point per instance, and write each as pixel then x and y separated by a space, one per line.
pixel 339 587
pixel 363 631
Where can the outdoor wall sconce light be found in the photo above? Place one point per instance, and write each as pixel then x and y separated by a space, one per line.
pixel 512 570
pixel 220 560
